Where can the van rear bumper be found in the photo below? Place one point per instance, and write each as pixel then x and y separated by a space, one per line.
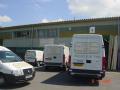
pixel 49 64
pixel 96 74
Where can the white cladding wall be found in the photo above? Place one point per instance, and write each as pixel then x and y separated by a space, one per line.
pixel 64 41
pixel 27 42
pixel 23 42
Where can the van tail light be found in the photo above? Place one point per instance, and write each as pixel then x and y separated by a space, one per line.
pixel 69 60
pixel 63 58
pixel 103 63
pixel 43 57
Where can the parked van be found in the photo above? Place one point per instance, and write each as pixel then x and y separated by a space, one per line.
pixel 88 56
pixel 13 69
pixel 56 56
pixel 34 57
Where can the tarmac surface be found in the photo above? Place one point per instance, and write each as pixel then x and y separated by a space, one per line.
pixel 60 80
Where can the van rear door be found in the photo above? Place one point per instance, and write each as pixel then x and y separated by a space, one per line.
pixel 87 53
pixel 53 54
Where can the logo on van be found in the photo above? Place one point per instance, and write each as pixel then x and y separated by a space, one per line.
pixel 28 71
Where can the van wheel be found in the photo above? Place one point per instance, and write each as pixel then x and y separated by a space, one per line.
pixel 102 76
pixel 38 64
pixel 95 82
pixel 45 68
pixel 41 63
pixel 2 80
pixel 64 68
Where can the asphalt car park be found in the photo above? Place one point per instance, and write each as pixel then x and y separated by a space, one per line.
pixel 60 80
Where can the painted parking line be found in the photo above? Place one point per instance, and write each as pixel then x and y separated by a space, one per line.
pixel 105 81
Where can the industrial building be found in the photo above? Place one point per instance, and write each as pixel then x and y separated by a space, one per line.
pixel 35 36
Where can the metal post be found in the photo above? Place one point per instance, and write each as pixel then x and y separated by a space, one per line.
pixel 58 36
pixel 58 32
pixel 12 35
pixel 32 38
pixel 118 44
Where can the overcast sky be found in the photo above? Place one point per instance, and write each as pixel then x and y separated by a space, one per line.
pixel 20 12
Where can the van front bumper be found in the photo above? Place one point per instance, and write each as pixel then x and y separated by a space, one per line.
pixel 96 74
pixel 18 79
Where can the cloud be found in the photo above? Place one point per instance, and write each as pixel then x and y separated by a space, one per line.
pixel 47 21
pixel 5 19
pixel 45 0
pixel 94 8
pixel 39 3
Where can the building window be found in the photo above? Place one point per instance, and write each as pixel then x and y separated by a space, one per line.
pixel 41 34
pixel 47 33
pixel 52 33
pixel 20 34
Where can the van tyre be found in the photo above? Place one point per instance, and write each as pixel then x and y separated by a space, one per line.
pixel 45 68
pixel 38 64
pixel 2 80
pixel 64 68
pixel 41 63
pixel 95 82
pixel 102 76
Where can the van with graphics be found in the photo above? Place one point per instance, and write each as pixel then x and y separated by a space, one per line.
pixel 13 69
pixel 88 56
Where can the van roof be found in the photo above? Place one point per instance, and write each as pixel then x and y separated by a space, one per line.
pixel 2 48
pixel 33 50
pixel 75 35
pixel 54 45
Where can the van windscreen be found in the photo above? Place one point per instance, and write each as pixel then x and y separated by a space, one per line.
pixel 9 56
pixel 30 54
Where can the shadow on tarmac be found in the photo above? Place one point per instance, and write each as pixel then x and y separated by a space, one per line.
pixel 50 69
pixel 63 78
pixel 14 86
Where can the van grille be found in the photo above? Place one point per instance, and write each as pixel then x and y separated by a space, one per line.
pixel 27 71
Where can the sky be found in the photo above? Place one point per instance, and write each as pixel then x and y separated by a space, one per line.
pixel 23 12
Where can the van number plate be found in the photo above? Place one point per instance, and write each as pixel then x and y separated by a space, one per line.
pixel 28 76
pixel 48 58
pixel 80 65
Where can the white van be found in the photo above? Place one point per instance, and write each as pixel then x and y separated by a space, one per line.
pixel 88 56
pixel 13 69
pixel 34 57
pixel 56 56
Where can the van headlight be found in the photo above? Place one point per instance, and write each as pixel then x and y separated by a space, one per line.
pixel 16 73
